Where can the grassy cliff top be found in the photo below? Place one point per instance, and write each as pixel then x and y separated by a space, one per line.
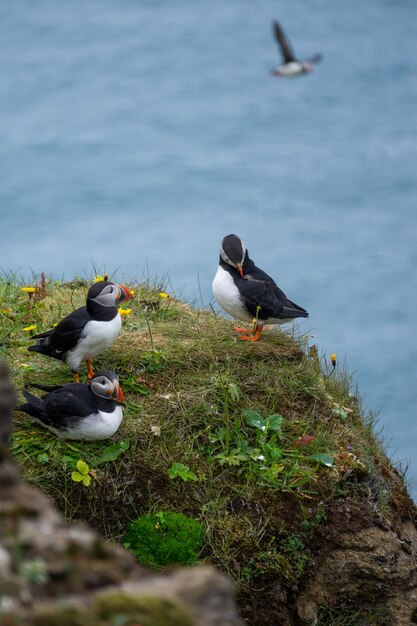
pixel 258 441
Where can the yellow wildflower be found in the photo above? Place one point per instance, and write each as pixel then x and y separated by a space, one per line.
pixel 98 278
pixel 29 328
pixel 333 359
pixel 125 312
pixel 29 290
pixel 132 292
pixel 162 294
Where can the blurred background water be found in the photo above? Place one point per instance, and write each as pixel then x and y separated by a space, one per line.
pixel 138 134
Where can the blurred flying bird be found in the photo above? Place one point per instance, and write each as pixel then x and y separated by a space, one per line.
pixel 291 65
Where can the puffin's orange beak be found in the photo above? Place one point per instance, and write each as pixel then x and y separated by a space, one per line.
pixel 239 269
pixel 124 294
pixel 118 394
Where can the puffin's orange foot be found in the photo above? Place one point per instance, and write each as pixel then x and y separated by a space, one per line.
pixel 256 335
pixel 90 372
pixel 76 377
pixel 241 330
pixel 249 338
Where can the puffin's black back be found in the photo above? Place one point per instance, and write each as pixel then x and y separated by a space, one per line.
pixel 258 289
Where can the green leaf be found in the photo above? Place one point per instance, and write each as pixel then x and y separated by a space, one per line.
pixel 254 419
pixel 274 422
pixel 337 410
pixel 324 459
pixel 76 476
pixel 86 480
pixel 72 462
pixel 133 385
pixel 178 470
pixel 233 391
pixel 111 453
pixel 42 458
pixel 272 452
pixel 235 457
pixel 82 467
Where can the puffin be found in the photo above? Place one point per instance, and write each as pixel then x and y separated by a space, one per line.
pixel 88 412
pixel 247 293
pixel 86 332
pixel 291 65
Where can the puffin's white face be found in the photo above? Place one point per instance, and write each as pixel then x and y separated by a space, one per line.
pixel 233 250
pixel 106 385
pixel 102 386
pixel 108 296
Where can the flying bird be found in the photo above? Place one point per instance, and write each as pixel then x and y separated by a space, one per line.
pixel 86 332
pixel 291 66
pixel 89 412
pixel 249 294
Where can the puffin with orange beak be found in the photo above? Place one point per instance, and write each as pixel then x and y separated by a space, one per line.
pixel 86 332
pixel 88 412
pixel 249 294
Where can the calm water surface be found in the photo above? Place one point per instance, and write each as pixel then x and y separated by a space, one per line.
pixel 140 133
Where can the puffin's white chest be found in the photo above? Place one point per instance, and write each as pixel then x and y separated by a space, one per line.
pixel 94 427
pixel 294 68
pixel 228 296
pixel 96 337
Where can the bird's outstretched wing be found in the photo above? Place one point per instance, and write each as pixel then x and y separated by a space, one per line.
pixel 286 49
pixel 315 59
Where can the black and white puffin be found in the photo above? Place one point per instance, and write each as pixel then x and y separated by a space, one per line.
pixel 89 411
pixel 291 65
pixel 86 332
pixel 249 294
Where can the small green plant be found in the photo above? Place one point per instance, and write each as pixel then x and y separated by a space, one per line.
pixel 153 360
pixel 82 475
pixel 293 547
pixel 35 571
pixel 346 615
pixel 165 538
pixel 178 470
pixel 313 522
pixel 229 393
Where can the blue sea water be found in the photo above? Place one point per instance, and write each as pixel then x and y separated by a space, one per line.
pixel 139 133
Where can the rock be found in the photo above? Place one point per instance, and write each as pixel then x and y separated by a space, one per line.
pixel 206 592
pixel 367 568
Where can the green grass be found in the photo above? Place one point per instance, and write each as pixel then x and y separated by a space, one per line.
pixel 165 538
pixel 187 444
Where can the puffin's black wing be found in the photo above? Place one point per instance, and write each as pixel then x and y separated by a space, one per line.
pixel 69 401
pixel 61 408
pixel 64 336
pixel 260 290
pixel 33 407
pixel 315 59
pixel 286 49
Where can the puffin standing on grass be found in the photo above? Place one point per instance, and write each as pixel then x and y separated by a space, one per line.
pixel 89 412
pixel 86 332
pixel 291 65
pixel 249 294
